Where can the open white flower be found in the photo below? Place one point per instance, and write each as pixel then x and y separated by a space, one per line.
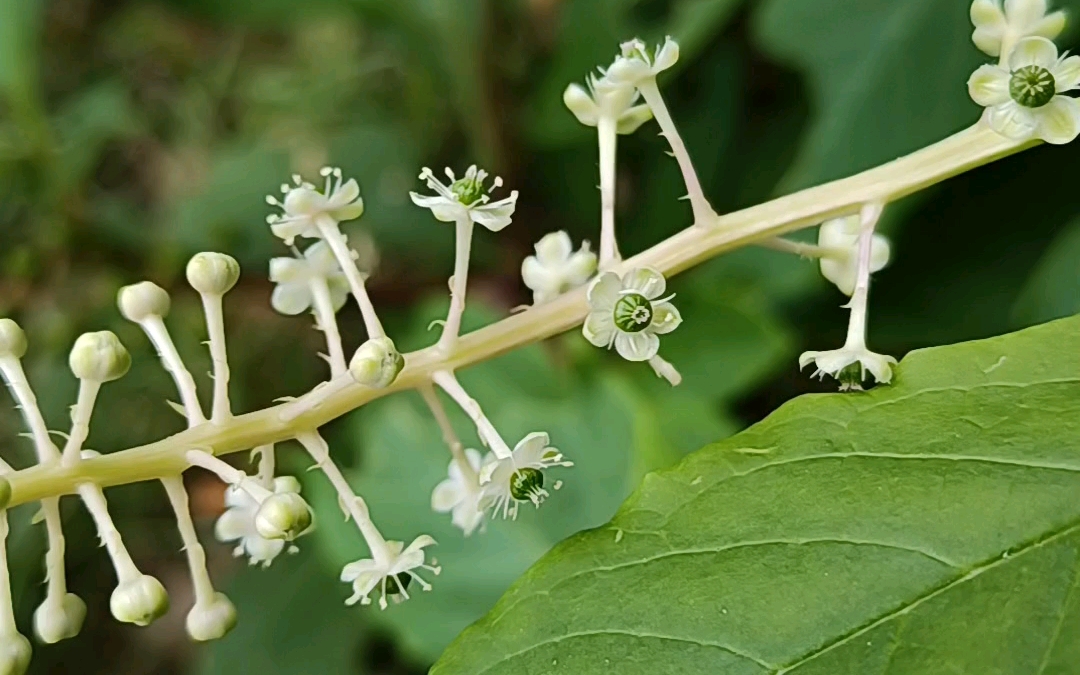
pixel 520 477
pixel 293 277
pixel 392 574
pixel 840 237
pixel 626 313
pixel 998 28
pixel 461 494
pixel 465 198
pixel 303 205
pixel 557 268
pixel 849 365
pixel 1026 100
pixel 636 63
pixel 238 521
pixel 606 99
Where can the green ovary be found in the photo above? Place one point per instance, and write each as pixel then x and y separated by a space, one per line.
pixel 1032 86
pixel 633 313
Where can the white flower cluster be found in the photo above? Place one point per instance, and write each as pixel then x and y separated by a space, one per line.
pixel 1025 92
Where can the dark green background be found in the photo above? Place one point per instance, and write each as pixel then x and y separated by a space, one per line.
pixel 134 134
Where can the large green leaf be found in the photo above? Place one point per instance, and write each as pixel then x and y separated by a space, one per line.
pixel 928 527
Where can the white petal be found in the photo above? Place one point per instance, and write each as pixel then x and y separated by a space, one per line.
pixel 474 458
pixel 1012 120
pixel 537 277
pixel 1033 51
pixel 467 516
pixel 345 195
pixel 646 281
pixel 631 120
pixel 232 525
pixel 839 232
pixel 262 550
pixel 291 299
pixel 879 365
pixel 1059 120
pixel 628 71
pixel 353 570
pixel 443 209
pixel 496 215
pixel 339 291
pixel 666 318
pixel 599 328
pixel 667 56
pixel 322 259
pixel 989 85
pixel 1067 74
pixel 990 26
pixel 554 248
pixel 840 270
pixel 637 346
pixel 604 291
pixel 1051 26
pixel 1024 13
pixel 879 252
pixel 581 104
pixel 581 266
pixel 288 270
pixel 531 448
pixel 287 229
pixel 419 544
pixel 446 496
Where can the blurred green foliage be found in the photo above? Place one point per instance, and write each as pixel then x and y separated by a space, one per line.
pixel 135 133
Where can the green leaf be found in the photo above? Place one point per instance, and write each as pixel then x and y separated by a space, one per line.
pixel 1053 290
pixel 928 527
pixel 886 77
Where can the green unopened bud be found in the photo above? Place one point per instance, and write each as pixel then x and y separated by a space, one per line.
pixel 99 357
pixel 211 620
pixel 283 515
pixel 59 619
pixel 142 300
pixel 377 363
pixel 12 339
pixel 213 273
pixel 15 654
pixel 139 601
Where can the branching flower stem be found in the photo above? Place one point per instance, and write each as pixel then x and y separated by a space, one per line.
pixel 973 147
pixel 330 233
pixel 457 450
pixel 460 280
pixel 606 129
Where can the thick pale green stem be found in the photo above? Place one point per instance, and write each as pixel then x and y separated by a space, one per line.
pixel 220 410
pixel 7 612
pixel 80 420
pixel 350 501
pixel 326 318
pixel 196 556
pixel 328 228
pixel 606 129
pixel 966 150
pixel 463 247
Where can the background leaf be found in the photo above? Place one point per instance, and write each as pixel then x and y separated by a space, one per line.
pixel 924 526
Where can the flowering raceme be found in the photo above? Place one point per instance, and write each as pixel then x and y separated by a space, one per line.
pixel 621 305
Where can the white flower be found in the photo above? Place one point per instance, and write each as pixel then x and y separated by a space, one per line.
pixel 840 264
pixel 996 27
pixel 635 63
pixel 849 364
pixel 465 197
pixel 461 494
pixel 293 277
pixel 626 313
pixel 238 521
pixel 1025 101
pixel 556 268
pixel 392 573
pixel 520 477
pixel 605 99
pixel 303 205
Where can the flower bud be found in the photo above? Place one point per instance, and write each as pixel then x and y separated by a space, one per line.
pixel 211 620
pixel 283 515
pixel 99 357
pixel 142 300
pixel 59 619
pixel 213 273
pixel 15 654
pixel 377 363
pixel 139 601
pixel 581 104
pixel 12 339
